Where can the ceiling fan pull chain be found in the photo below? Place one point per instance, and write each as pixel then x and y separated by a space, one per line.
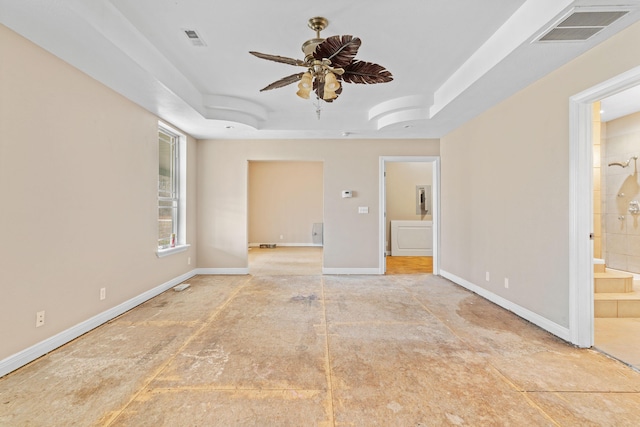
pixel 318 107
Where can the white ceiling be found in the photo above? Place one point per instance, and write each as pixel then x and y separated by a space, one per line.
pixel 451 59
pixel 621 104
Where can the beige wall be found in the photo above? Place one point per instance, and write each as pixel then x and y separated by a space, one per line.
pixel 401 181
pixel 350 239
pixel 285 199
pixel 78 164
pixel 505 183
pixel 622 141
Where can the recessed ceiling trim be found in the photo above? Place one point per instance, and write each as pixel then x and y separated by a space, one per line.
pixel 237 119
pixel 397 104
pixel 402 116
pixel 232 103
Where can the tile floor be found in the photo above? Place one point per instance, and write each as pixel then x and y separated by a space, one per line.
pixel 619 338
pixel 312 350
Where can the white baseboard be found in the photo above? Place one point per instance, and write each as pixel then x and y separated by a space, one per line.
pixel 350 271
pixel 222 271
pixel 546 324
pixel 30 354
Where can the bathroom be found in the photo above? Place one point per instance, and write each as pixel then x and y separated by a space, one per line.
pixel 617 229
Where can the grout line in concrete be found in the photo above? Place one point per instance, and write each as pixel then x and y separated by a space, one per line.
pixel 116 414
pixel 523 393
pixel 238 390
pixel 328 358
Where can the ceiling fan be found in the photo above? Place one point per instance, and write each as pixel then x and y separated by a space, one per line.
pixel 328 62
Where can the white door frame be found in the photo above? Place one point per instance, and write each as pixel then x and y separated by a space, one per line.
pixel 581 296
pixel 436 206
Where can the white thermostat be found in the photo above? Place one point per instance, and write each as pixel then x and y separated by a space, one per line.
pixel 347 193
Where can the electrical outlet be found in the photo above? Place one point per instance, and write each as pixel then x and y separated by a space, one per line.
pixel 486 276
pixel 281 237
pixel 506 283
pixel 103 293
pixel 189 261
pixel 39 319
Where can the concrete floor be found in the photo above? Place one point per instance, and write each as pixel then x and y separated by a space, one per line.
pixel 313 350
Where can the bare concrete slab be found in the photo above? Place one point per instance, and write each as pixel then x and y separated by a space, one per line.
pixel 271 349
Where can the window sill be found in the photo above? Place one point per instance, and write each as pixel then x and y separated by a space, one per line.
pixel 161 253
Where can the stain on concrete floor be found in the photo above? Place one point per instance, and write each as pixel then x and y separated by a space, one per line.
pixel 312 350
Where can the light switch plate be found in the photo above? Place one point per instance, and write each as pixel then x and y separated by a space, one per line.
pixel 363 209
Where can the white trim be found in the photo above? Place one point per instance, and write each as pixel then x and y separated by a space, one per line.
pixel 30 354
pixel 346 271
pixel 581 203
pixel 435 188
pixel 222 271
pixel 544 323
pixel 161 253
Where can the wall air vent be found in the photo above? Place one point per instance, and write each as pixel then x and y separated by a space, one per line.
pixel 581 25
pixel 194 38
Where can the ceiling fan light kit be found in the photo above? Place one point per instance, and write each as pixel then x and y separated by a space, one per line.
pixel 329 62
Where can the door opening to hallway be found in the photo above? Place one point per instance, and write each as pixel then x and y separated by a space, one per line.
pixel 285 217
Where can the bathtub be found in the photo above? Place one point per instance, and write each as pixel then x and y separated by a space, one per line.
pixel 411 238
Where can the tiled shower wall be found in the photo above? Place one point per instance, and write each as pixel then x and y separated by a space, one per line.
pixel 620 186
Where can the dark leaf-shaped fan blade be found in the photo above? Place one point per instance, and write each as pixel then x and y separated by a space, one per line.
pixel 276 58
pixel 340 50
pixel 319 89
pixel 365 73
pixel 283 82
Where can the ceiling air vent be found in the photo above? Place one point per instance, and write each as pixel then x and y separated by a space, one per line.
pixel 194 38
pixel 581 25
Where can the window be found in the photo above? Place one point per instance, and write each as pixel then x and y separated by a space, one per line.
pixel 171 190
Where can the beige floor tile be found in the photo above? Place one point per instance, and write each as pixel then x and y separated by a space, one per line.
pixel 619 338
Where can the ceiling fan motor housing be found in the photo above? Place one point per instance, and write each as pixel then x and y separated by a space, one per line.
pixel 317 24
pixel 309 47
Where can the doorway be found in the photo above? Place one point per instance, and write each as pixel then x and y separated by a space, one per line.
pixel 581 249
pixel 285 217
pixel 616 147
pixel 416 188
